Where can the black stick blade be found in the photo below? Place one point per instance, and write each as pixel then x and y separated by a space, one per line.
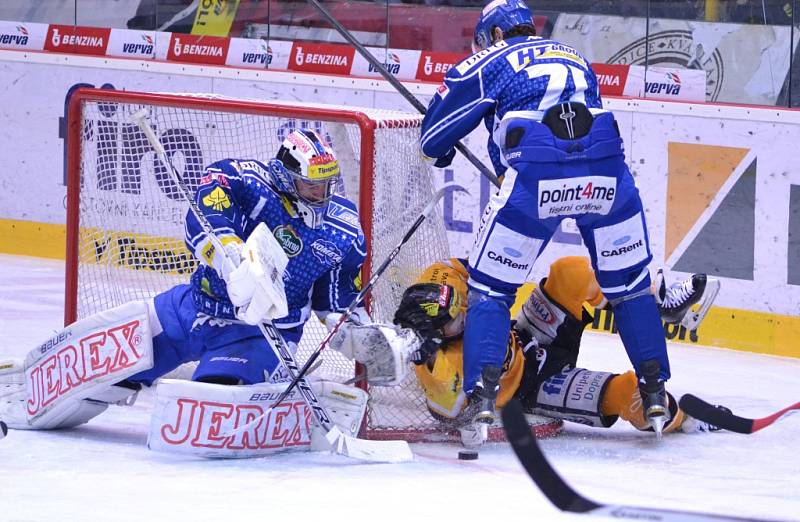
pixel 701 410
pixel 533 460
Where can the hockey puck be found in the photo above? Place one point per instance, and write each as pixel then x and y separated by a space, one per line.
pixel 3 429
pixel 467 455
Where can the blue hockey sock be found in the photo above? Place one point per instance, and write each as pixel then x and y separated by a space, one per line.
pixel 486 332
pixel 642 333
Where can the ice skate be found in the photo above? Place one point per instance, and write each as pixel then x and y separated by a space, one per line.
pixel 675 302
pixel 654 396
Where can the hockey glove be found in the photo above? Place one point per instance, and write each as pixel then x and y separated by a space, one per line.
pixel 446 160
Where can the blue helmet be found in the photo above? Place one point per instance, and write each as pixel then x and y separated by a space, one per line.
pixel 504 14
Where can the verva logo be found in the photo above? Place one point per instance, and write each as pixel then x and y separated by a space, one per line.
pixel 392 64
pixel 434 66
pixel 198 49
pixel 18 38
pixel 321 58
pixel 77 40
pixel 611 78
pixel 146 46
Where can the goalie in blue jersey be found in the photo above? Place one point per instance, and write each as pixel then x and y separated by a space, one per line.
pixel 561 156
pixel 285 214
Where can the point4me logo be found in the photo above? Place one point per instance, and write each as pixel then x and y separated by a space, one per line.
pixel 392 64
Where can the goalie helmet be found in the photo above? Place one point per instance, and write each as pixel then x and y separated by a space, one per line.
pixel 433 310
pixel 306 169
pixel 503 14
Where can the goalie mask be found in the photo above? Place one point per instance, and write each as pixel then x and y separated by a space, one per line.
pixel 306 169
pixel 503 14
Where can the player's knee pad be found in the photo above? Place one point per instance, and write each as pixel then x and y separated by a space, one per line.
pixel 575 395
pixel 70 378
pixel 219 421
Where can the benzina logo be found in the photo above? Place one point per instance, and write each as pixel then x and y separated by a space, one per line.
pixel 77 40
pixel 392 65
pixel 320 59
pixel 432 67
pixel 608 80
pixel 196 50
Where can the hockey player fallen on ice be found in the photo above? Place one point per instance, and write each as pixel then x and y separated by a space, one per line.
pixel 540 356
pixel 286 209
pixel 561 156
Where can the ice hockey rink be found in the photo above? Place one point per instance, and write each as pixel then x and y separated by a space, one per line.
pixel 104 471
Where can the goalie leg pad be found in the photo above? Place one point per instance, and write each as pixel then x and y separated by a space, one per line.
pixel 65 380
pixel 575 395
pixel 201 419
pixel 346 406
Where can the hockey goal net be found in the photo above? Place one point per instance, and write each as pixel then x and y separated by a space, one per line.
pixel 125 216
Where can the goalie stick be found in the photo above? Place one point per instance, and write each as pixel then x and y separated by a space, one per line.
pixel 405 93
pixel 567 499
pixel 341 443
pixel 701 410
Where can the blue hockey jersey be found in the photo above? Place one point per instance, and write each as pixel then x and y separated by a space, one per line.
pixel 524 73
pixel 324 262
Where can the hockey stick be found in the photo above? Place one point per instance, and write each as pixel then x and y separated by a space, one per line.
pixel 405 93
pixel 567 499
pixel 701 410
pixel 378 451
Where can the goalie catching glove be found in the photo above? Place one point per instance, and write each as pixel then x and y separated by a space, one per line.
pixel 384 350
pixel 253 272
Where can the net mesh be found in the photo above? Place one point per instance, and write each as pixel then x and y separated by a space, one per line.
pixel 131 213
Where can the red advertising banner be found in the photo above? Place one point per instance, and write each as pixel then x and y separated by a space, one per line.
pixel 191 48
pixel 433 66
pixel 611 78
pixel 77 40
pixel 321 58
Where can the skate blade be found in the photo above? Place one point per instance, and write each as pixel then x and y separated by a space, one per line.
pixel 691 321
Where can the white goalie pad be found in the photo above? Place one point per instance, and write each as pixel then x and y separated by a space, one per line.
pixel 383 349
pixel 68 379
pixel 216 421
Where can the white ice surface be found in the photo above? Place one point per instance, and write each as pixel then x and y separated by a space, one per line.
pixel 103 471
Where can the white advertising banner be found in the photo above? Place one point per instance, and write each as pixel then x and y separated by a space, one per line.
pixel 22 35
pixel 735 73
pixel 719 188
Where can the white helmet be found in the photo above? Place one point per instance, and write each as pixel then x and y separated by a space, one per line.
pixel 307 170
